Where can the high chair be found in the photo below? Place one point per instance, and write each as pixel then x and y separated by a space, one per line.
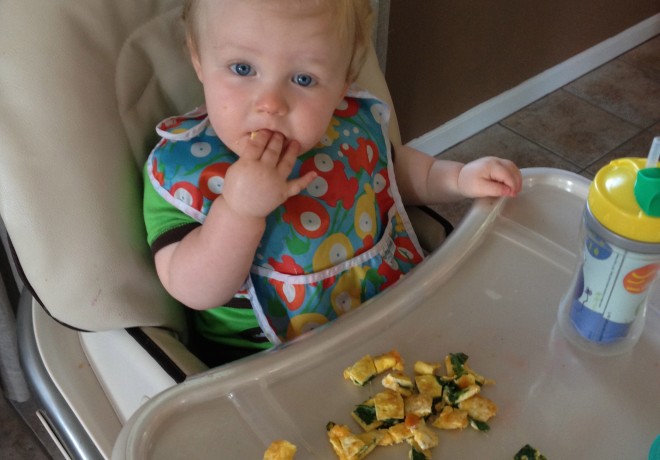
pixel 83 85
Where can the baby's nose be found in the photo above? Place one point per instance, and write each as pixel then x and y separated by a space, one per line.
pixel 272 102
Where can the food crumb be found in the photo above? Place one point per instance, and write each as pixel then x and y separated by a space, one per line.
pixel 280 450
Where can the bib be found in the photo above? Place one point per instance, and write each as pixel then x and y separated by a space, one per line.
pixel 324 252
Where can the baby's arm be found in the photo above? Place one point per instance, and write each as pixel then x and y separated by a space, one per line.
pixel 423 179
pixel 210 264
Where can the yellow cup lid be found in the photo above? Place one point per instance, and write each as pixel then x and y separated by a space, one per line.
pixel 612 201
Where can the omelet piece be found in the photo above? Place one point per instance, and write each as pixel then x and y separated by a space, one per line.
pixel 417 453
pixel 349 446
pixel 399 432
pixel 467 393
pixel 451 419
pixel 390 360
pixel 424 368
pixel 399 382
pixel 465 380
pixel 456 364
pixel 428 384
pixel 280 450
pixel 371 439
pixel 365 415
pixel 362 371
pixel 389 406
pixel 479 408
pixel 420 404
pixel 423 436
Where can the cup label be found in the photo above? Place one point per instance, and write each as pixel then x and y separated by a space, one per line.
pixel 615 280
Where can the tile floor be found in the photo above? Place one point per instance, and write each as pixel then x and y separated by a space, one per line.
pixel 613 111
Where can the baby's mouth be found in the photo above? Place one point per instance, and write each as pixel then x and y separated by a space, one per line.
pixel 253 134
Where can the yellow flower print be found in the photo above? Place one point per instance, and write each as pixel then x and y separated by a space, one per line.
pixel 331 134
pixel 346 294
pixel 398 223
pixel 365 214
pixel 304 323
pixel 334 250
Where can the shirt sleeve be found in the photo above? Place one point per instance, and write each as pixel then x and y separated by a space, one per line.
pixel 165 224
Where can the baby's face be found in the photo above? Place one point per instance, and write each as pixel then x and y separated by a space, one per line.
pixel 268 67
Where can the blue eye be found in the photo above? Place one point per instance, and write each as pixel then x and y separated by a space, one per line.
pixel 242 69
pixel 303 80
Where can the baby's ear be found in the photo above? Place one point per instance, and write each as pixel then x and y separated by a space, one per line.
pixel 194 57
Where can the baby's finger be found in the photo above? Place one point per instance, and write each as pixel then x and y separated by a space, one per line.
pixel 288 158
pixel 252 147
pixel 273 150
pixel 493 188
pixel 295 186
pixel 507 173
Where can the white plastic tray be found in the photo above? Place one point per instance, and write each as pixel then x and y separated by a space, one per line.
pixel 491 291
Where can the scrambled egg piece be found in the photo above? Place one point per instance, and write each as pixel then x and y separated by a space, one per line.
pixel 280 450
pixel 349 446
pixel 389 406
pixel 362 371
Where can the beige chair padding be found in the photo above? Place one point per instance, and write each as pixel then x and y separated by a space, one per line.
pixel 70 185
pixel 82 85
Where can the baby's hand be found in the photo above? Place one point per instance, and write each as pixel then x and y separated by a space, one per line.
pixel 258 182
pixel 490 176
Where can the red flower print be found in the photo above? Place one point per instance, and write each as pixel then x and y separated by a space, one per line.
pixel 293 295
pixel 212 179
pixel 331 184
pixel 307 216
pixel 391 274
pixel 405 250
pixel 347 108
pixel 188 193
pixel 288 265
pixel 365 156
pixel 158 175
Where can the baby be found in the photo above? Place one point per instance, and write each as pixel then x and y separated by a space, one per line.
pixel 278 205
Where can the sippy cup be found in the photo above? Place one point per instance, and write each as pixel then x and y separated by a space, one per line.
pixel 604 309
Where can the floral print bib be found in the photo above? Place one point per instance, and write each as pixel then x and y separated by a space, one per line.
pixel 325 251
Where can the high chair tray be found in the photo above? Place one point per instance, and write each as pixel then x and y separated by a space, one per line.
pixel 491 291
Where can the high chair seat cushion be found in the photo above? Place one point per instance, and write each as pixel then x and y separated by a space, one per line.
pixel 82 89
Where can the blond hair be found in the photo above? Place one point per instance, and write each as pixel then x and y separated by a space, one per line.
pixel 353 19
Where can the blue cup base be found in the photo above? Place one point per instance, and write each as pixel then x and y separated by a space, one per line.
pixel 594 327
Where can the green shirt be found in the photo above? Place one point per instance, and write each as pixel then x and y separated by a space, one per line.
pixel 234 324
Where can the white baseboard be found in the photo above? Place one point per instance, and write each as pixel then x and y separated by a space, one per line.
pixel 503 105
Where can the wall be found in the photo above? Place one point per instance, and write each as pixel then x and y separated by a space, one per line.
pixel 447 56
